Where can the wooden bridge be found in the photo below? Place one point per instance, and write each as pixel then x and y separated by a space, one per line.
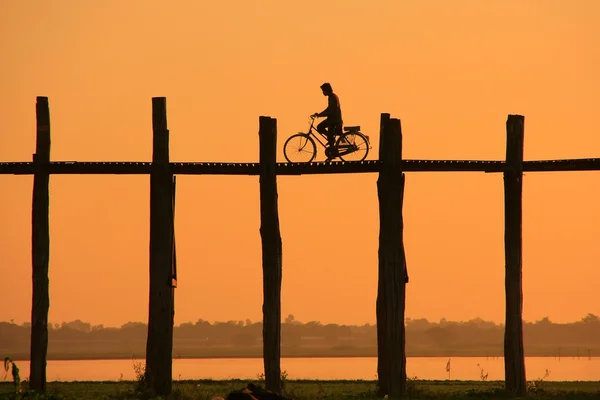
pixel 392 270
pixel 345 167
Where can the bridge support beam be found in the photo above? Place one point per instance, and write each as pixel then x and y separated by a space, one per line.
pixel 159 344
pixel 272 253
pixel 40 246
pixel 391 356
pixel 514 357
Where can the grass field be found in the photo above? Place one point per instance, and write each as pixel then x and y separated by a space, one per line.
pixel 311 390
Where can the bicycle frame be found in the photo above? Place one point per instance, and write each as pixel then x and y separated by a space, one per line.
pixel 342 150
pixel 311 133
pixel 346 142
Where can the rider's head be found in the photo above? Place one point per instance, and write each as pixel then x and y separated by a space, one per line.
pixel 326 88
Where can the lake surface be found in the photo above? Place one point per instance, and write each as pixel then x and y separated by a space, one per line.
pixel 462 368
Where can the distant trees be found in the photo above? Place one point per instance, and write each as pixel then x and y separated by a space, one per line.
pixel 590 319
pixel 77 325
pixel 423 337
pixel 544 321
pixel 289 319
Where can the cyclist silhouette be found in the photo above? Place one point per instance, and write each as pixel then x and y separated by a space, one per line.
pixel 332 124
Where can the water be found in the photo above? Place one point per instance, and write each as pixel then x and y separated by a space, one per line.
pixel 462 368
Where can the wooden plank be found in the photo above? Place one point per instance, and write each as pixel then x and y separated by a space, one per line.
pixel 40 246
pixel 514 358
pixel 349 167
pixel 159 345
pixel 271 252
pixel 392 268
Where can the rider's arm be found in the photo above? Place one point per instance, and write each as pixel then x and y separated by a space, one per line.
pixel 331 105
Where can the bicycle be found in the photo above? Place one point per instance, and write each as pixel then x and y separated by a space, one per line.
pixel 350 142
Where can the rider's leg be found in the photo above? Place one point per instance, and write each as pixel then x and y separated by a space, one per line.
pixel 332 150
pixel 330 139
pixel 326 128
pixel 322 127
pixel 331 126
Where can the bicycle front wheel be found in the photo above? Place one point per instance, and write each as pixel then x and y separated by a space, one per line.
pixel 352 146
pixel 300 148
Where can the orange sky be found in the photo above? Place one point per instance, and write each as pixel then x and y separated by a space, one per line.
pixel 451 71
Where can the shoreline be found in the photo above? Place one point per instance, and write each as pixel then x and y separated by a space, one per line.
pixel 93 357
pixel 82 351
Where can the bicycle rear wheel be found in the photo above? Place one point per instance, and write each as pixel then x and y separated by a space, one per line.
pixel 352 146
pixel 300 148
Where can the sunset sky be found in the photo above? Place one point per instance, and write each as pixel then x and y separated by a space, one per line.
pixel 451 71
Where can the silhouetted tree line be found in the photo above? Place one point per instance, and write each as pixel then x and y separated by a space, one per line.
pixel 474 337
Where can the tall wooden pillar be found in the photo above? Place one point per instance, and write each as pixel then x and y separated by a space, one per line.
pixel 514 357
pixel 382 362
pixel 40 245
pixel 391 364
pixel 159 345
pixel 272 253
pixel 173 248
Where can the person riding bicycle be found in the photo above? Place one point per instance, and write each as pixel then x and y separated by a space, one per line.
pixel 333 123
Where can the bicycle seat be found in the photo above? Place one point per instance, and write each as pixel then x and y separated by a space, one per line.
pixel 351 128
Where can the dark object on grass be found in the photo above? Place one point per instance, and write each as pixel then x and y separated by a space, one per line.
pixel 253 392
pixel 240 396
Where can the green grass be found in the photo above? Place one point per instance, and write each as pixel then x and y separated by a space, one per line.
pixel 310 390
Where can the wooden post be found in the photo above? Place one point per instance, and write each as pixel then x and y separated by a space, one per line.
pixel 392 267
pixel 40 245
pixel 382 362
pixel 272 253
pixel 514 358
pixel 173 248
pixel 159 345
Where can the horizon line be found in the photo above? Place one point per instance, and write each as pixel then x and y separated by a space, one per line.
pixel 407 321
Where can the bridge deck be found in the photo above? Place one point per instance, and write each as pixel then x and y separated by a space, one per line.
pixel 215 168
